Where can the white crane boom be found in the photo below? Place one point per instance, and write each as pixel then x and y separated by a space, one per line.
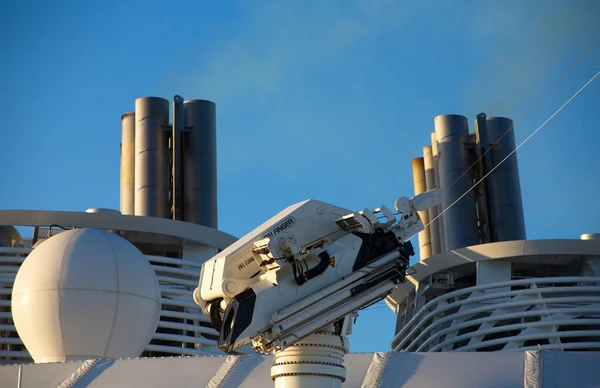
pixel 310 266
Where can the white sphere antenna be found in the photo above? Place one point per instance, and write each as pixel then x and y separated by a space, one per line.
pixel 85 293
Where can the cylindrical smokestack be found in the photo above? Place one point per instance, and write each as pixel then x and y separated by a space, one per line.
pixel 151 157
pixel 177 158
pixel 200 163
pixel 436 166
pixel 127 163
pixel 506 204
pixel 434 231
pixel 460 221
pixel 421 187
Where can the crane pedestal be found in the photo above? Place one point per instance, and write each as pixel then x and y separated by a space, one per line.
pixel 316 361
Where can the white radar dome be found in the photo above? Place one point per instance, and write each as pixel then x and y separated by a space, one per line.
pixel 85 293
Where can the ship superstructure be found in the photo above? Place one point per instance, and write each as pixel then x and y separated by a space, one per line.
pixel 479 284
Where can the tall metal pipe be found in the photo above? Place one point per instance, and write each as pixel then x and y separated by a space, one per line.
pixel 460 220
pixel 127 181
pixel 177 159
pixel 436 167
pixel 506 204
pixel 419 180
pixel 484 165
pixel 151 157
pixel 434 230
pixel 200 163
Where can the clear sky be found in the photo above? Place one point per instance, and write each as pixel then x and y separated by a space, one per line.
pixel 315 99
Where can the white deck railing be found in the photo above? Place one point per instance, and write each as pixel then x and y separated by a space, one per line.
pixel 555 313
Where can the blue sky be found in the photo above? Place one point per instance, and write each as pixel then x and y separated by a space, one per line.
pixel 325 100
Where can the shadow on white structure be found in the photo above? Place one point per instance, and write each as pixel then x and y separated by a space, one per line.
pixel 529 369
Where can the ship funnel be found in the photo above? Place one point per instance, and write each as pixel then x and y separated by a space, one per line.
pixel 490 212
pixel 169 170
pixel 421 187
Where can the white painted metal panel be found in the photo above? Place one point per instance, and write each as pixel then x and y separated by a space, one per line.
pixel 411 370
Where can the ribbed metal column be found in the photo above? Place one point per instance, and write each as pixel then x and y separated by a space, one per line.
pixel 315 361
pixel 419 180
pixel 434 230
pixel 127 181
pixel 151 157
pixel 460 221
